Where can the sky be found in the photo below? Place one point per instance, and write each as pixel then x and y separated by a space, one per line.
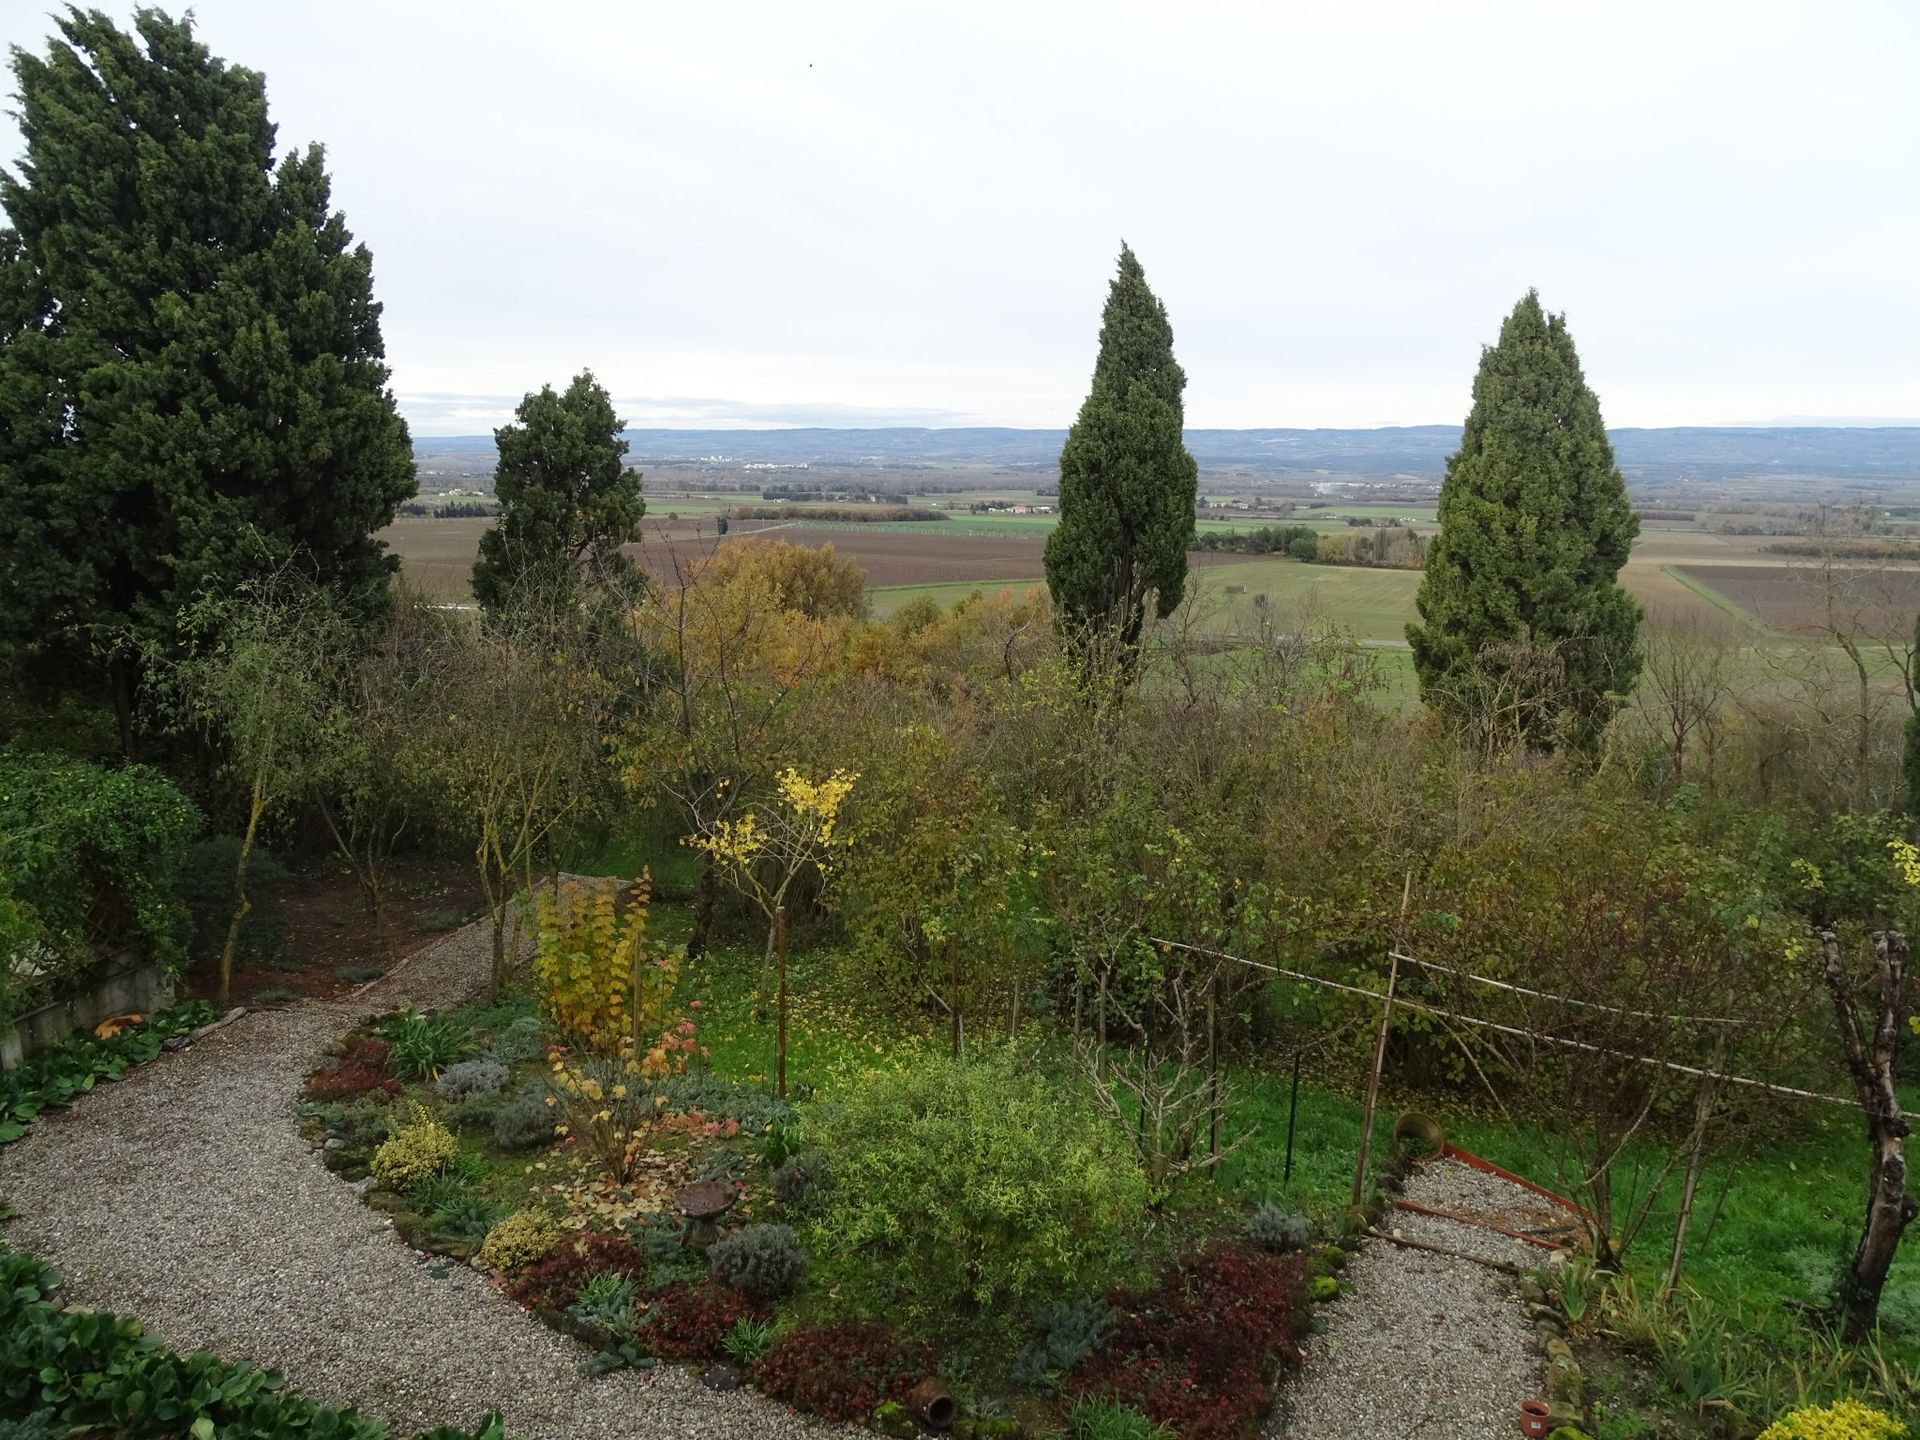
pixel 908 214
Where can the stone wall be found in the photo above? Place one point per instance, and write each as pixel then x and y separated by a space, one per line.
pixel 130 988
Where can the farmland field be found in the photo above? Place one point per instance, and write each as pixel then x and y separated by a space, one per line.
pixel 1687 572
pixel 1791 599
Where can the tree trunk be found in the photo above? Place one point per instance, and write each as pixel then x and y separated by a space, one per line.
pixel 1696 1155
pixel 953 990
pixel 705 892
pixel 120 679
pixel 1870 1061
pixel 242 905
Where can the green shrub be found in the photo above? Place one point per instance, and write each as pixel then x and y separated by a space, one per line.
pixel 1847 1420
pixel 471 1078
pixel 802 1183
pixel 979 1183
pixel 1067 1332
pixel 524 1038
pixel 520 1239
pixel 423 1045
pixel 750 1339
pixel 1278 1230
pixel 762 1262
pixel 524 1120
pixel 1099 1420
pixel 607 1302
pixel 420 1145
pixel 87 864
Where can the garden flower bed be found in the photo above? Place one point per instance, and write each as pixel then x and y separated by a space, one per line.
pixel 969 1231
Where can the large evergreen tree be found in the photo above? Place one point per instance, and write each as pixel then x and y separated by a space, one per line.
pixel 192 381
pixel 1521 589
pixel 568 502
pixel 1127 483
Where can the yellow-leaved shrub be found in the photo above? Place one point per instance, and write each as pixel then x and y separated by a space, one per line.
pixel 522 1238
pixel 420 1147
pixel 598 980
pixel 1846 1420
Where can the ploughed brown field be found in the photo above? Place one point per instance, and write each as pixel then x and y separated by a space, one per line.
pixel 438 554
pixel 1793 598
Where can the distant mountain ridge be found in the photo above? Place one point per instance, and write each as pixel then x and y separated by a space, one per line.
pixel 1709 452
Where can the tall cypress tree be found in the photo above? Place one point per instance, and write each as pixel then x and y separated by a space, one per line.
pixel 1534 527
pixel 1127 483
pixel 192 382
pixel 568 502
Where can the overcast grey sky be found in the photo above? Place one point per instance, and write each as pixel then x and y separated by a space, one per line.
pixel 908 213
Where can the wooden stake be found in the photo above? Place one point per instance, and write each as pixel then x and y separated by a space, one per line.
pixel 1213 1075
pixel 780 1032
pixel 953 990
pixel 1380 1047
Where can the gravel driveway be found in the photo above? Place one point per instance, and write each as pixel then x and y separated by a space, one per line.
pixel 185 1196
pixel 1427 1346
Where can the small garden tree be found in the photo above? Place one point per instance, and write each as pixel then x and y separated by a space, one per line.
pixel 727 667
pixel 256 680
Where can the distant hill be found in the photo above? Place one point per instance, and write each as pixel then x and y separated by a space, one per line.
pixel 1848 453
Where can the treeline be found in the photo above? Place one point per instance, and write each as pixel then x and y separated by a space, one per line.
pixel 833 493
pixel 857 515
pixel 452 510
pixel 1847 549
pixel 1390 548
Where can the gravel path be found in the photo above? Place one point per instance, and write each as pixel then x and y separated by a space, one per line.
pixel 186 1196
pixel 1427 1346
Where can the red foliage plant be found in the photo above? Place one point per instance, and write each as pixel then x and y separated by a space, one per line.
pixel 690 1322
pixel 556 1281
pixel 1197 1351
pixel 362 1071
pixel 842 1371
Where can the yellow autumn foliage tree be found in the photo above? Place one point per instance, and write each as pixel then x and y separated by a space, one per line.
pixel 598 979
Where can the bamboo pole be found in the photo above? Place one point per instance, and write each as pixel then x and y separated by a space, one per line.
pixel 780 1031
pixel 1380 1048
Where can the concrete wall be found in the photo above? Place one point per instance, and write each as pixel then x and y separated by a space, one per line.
pixel 132 989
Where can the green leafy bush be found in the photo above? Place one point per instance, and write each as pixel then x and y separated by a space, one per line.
pixel 980 1183
pixel 1847 1420
pixel 1067 1331
pixel 524 1120
pixel 607 1302
pixel 1100 1420
pixel 422 1045
pixel 419 1146
pixel 802 1182
pixel 520 1239
pixel 760 1261
pixel 101 1374
pixel 87 864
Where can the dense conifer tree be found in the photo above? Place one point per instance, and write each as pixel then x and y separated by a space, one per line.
pixel 192 382
pixel 1127 483
pixel 568 502
pixel 1534 527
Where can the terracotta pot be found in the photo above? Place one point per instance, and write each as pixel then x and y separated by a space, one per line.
pixel 1535 1418
pixel 932 1404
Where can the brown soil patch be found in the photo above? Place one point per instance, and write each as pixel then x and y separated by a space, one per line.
pixel 329 931
pixel 1796 598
